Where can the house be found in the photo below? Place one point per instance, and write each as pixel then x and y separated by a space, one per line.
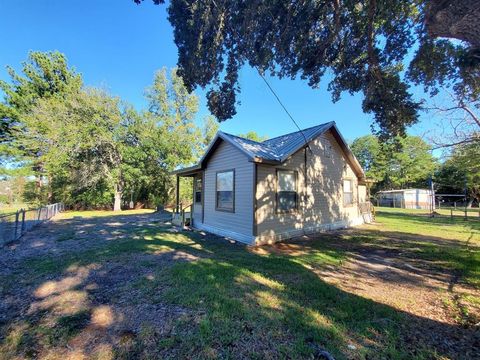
pixel 405 198
pixel 262 192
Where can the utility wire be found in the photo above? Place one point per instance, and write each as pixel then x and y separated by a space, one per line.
pixel 283 106
pixel 269 86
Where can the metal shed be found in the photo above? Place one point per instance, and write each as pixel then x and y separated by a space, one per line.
pixel 405 198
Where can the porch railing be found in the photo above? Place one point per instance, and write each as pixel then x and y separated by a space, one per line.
pixel 367 210
pixel 182 217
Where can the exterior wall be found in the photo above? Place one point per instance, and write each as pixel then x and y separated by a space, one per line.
pixel 320 203
pixel 238 224
pixel 417 199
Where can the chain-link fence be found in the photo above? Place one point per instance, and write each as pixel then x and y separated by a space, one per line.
pixel 13 226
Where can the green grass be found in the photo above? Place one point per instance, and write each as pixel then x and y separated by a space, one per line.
pixel 13 208
pixel 103 213
pixel 264 304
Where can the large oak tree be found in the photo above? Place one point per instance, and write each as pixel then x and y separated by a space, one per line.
pixel 375 47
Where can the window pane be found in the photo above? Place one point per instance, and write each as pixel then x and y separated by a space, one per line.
pixel 198 185
pixel 286 181
pixel 348 198
pixel 198 197
pixel 287 200
pixel 225 200
pixel 225 195
pixel 225 181
pixel 347 186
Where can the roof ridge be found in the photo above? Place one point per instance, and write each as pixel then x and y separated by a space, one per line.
pixel 241 137
pixel 298 131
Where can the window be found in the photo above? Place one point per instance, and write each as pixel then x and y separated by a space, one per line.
pixel 286 190
pixel 347 192
pixel 198 190
pixel 225 188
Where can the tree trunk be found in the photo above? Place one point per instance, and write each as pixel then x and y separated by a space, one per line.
pixel 457 19
pixel 117 204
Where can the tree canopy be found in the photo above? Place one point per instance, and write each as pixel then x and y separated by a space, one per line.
pixel 377 48
pixel 394 166
pixel 253 135
pixel 90 149
pixel 461 172
pixel 45 75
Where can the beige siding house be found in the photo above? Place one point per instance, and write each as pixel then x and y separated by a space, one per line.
pixel 287 186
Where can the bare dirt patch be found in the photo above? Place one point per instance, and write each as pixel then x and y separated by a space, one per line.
pixel 390 271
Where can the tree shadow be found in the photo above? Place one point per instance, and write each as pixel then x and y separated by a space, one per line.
pixel 156 293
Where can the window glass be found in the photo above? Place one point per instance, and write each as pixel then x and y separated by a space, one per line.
pixel 225 193
pixel 286 191
pixel 347 192
pixel 198 190
pixel 286 181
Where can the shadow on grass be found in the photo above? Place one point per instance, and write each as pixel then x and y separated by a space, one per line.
pixel 244 304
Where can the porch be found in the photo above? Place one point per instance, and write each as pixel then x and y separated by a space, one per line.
pixel 185 215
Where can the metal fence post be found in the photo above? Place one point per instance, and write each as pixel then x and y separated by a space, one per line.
pixel 23 221
pixel 16 225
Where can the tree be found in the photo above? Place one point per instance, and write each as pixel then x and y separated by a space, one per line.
pixel 458 120
pixel 79 140
pixel 364 45
pixel 407 162
pixel 46 74
pixel 371 156
pixel 461 172
pixel 252 135
pixel 210 129
pixel 173 109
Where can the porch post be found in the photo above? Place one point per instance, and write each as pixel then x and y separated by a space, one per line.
pixel 177 195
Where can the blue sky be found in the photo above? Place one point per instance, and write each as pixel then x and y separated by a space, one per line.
pixel 118 45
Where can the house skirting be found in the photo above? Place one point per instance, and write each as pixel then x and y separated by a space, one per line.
pixel 246 239
pixel 270 239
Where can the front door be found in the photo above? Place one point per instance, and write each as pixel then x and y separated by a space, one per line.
pixel 198 198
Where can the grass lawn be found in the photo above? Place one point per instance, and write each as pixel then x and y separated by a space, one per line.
pixel 98 285
pixel 13 208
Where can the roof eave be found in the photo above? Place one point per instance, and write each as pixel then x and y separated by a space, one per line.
pixel 188 171
pixel 260 160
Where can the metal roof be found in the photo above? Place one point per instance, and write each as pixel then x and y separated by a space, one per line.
pixel 286 145
pixel 278 149
pixel 259 150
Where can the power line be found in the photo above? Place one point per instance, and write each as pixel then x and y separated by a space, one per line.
pixel 283 106
pixel 269 86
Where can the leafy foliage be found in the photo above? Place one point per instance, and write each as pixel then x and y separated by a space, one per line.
pixel 252 135
pixel 86 147
pixel 364 45
pixel 46 75
pixel 461 172
pixel 408 163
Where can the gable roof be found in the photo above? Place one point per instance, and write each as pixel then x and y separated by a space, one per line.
pixel 278 149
